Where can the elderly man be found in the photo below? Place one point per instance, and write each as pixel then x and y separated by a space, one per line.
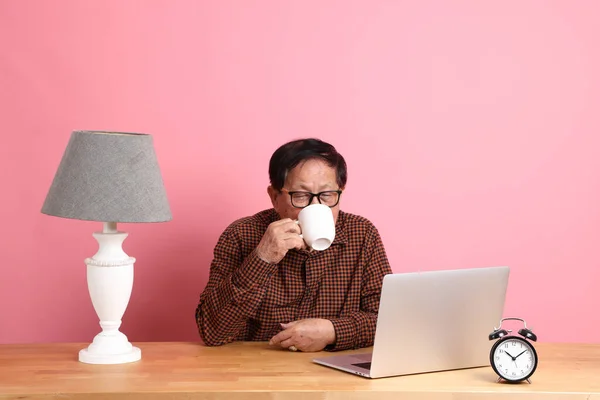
pixel 265 284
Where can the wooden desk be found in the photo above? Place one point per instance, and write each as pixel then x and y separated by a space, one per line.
pixel 257 371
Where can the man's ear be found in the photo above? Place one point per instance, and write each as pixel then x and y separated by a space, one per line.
pixel 273 193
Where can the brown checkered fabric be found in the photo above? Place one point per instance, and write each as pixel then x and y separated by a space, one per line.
pixel 247 298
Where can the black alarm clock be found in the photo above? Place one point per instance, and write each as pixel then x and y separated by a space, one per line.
pixel 513 357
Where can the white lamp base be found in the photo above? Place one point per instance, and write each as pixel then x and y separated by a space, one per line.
pixel 85 356
pixel 110 281
pixel 110 347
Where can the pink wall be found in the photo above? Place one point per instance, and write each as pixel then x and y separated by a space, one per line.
pixel 471 130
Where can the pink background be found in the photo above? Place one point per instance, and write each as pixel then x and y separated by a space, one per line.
pixel 471 130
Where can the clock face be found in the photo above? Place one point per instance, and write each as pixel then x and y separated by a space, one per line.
pixel 513 358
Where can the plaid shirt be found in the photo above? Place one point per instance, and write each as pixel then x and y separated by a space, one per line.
pixel 247 298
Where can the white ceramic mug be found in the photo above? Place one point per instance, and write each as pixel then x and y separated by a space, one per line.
pixel 318 226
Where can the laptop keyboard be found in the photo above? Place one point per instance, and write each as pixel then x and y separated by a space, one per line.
pixel 365 365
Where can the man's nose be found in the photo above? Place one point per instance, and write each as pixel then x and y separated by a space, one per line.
pixel 315 200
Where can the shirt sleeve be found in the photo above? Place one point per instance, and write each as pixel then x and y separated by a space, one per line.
pixel 233 293
pixel 357 329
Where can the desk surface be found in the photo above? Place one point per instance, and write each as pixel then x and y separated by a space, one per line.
pixel 258 371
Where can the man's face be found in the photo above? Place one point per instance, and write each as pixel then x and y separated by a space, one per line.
pixel 313 176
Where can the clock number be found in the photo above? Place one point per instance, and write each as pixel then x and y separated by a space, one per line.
pixel 514 344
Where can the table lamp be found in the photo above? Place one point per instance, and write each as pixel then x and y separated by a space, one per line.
pixel 109 177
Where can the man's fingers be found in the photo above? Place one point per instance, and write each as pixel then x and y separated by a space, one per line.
pixel 292 227
pixel 280 337
pixel 284 338
pixel 282 221
pixel 286 343
pixel 294 241
pixel 286 224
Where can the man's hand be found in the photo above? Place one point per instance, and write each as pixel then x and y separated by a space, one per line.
pixel 280 237
pixel 311 334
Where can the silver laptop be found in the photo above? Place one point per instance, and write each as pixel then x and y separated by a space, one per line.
pixel 431 321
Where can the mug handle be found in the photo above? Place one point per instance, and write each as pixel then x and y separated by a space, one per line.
pixel 298 223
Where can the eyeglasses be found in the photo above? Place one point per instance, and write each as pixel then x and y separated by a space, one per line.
pixel 329 198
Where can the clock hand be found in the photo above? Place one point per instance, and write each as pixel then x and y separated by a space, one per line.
pixel 513 358
pixel 521 353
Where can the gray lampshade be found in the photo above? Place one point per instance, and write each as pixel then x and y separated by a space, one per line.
pixel 108 177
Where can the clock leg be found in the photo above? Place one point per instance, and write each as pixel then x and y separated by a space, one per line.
pixel 528 381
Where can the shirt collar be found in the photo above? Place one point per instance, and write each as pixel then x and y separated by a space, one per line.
pixel 340 229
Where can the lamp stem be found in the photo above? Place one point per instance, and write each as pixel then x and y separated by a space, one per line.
pixel 110 227
pixel 110 281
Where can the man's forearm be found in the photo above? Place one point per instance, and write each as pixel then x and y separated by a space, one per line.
pixel 224 309
pixel 221 314
pixel 353 331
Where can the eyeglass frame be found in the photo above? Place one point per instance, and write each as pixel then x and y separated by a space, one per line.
pixel 312 196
